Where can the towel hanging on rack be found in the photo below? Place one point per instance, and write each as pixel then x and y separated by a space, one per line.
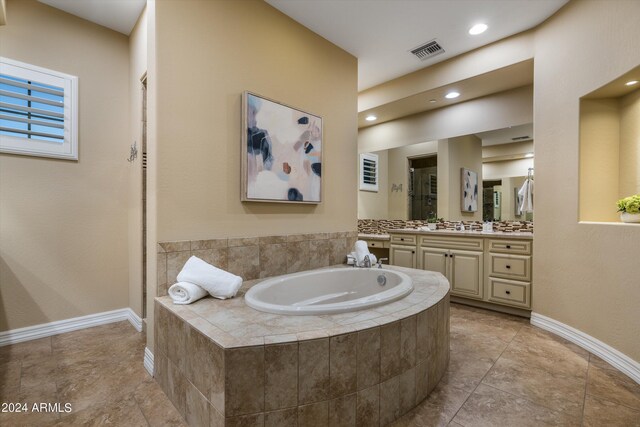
pixel 526 194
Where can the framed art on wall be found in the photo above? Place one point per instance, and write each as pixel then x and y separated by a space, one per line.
pixel 468 190
pixel 281 152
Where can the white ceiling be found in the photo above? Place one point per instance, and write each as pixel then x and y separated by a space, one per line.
pixel 119 15
pixel 380 33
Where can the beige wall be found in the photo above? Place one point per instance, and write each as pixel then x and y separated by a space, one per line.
pixel 629 176
pixel 583 273
pixel 599 159
pixel 375 205
pixel 507 168
pixel 501 110
pixel 208 54
pixel 454 154
pixel 63 224
pixel 138 67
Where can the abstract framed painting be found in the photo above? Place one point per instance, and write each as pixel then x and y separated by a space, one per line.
pixel 281 152
pixel 468 190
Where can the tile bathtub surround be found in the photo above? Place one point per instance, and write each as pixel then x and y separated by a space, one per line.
pixel 348 370
pixel 255 257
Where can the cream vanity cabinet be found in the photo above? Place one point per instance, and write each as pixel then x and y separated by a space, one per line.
pixel 485 269
pixel 459 259
pixel 509 272
pixel 402 250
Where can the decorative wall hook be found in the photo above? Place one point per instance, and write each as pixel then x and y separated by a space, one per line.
pixel 133 154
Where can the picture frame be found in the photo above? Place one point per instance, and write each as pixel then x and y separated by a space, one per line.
pixel 282 152
pixel 468 190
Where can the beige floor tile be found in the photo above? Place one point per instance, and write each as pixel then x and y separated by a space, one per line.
pixel 26 350
pixel 10 372
pixel 488 406
pixel 156 407
pixel 29 397
pixel 124 412
pixel 465 371
pixel 551 389
pixel 613 386
pixel 598 412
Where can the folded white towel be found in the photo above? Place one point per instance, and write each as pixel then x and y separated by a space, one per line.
pixel 362 250
pixel 219 283
pixel 186 293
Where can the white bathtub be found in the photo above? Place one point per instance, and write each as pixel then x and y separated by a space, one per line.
pixel 329 291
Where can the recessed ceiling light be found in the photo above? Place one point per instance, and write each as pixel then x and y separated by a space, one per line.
pixel 432 101
pixel 528 155
pixel 452 95
pixel 631 83
pixel 478 29
pixel 371 118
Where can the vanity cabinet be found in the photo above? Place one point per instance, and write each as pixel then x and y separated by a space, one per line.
pixel 509 273
pixel 402 250
pixel 462 267
pixel 402 256
pixel 485 269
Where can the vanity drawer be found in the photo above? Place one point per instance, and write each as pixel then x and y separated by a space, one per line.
pixel 510 266
pixel 521 247
pixel 377 243
pixel 510 292
pixel 403 239
pixel 447 242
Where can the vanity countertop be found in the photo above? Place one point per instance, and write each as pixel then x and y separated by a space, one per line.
pixel 467 233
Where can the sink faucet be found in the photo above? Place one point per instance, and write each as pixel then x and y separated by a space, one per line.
pixel 380 261
pixel 367 261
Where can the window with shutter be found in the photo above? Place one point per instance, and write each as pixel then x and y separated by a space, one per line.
pixel 38 111
pixel 369 172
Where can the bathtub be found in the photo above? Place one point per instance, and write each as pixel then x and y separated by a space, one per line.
pixel 329 291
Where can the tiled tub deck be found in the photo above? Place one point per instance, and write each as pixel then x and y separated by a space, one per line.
pixel 222 363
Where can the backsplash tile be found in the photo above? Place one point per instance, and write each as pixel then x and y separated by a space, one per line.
pixel 383 226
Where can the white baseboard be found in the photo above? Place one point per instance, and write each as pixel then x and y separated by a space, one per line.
pixel 148 360
pixel 15 336
pixel 612 356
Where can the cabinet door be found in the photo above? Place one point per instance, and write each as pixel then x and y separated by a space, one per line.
pixel 466 273
pixel 402 256
pixel 433 259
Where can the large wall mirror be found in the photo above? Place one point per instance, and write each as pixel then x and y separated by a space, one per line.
pixel 419 181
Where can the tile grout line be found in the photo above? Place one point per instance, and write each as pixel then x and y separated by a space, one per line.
pixel 586 384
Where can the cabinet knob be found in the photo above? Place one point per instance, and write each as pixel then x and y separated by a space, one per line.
pixel 446 255
pixel 508 292
pixel 508 246
pixel 373 244
pixel 508 266
pixel 402 238
pixel 413 252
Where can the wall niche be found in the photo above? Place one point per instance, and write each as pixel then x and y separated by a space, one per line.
pixel 609 147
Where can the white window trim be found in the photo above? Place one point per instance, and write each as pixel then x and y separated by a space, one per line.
pixel 363 185
pixel 29 147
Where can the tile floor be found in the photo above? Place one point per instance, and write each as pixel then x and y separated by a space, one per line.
pixel 503 372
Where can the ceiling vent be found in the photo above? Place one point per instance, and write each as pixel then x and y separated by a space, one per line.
pixel 521 138
pixel 428 50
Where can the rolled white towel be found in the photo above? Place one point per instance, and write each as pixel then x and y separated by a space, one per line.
pixel 361 251
pixel 186 293
pixel 219 283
